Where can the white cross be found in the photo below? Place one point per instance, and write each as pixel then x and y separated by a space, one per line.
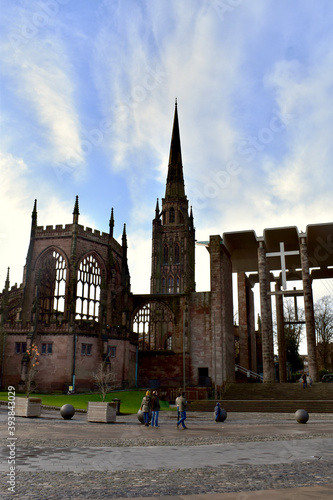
pixel 282 254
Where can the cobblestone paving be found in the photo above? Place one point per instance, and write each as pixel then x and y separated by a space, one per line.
pixel 171 481
pixel 131 484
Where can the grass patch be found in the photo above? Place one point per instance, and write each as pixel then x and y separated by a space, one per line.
pixel 130 400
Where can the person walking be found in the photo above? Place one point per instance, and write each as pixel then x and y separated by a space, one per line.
pixel 145 407
pixel 218 412
pixel 155 409
pixel 181 403
pixel 305 384
pixel 178 412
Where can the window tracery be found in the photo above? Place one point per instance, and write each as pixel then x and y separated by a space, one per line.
pixel 154 325
pixel 88 289
pixel 52 286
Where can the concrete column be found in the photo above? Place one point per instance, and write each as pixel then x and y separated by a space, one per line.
pixel 228 337
pixel 266 317
pixel 309 313
pixel 222 333
pixel 216 309
pixel 280 335
pixel 251 323
pixel 243 321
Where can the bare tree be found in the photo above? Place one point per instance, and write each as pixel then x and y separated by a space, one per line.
pixel 104 378
pixel 32 369
pixel 324 330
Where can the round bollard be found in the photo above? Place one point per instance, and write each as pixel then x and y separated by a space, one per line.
pixel 302 416
pixel 67 411
pixel 222 417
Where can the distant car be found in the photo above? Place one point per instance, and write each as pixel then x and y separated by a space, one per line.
pixel 327 378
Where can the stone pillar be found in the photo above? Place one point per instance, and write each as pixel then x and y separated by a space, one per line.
pixel 216 309
pixel 266 317
pixel 222 333
pixel 243 322
pixel 228 337
pixel 309 313
pixel 280 335
pixel 252 332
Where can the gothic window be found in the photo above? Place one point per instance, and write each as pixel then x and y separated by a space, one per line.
pixel 170 284
pixel 177 284
pixel 52 286
pixel 169 344
pixel 171 215
pixel 154 325
pixel 163 285
pixel 88 289
pixel 165 254
pixel 176 253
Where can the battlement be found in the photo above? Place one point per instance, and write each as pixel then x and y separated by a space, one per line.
pixel 60 231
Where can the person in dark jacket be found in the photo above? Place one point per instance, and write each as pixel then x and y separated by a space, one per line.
pixel 155 409
pixel 218 412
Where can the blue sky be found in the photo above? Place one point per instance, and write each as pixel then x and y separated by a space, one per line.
pixel 87 102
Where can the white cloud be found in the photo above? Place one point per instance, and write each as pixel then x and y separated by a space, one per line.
pixel 16 203
pixel 42 82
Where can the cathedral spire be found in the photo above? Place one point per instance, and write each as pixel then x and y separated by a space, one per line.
pixel 175 187
pixel 111 223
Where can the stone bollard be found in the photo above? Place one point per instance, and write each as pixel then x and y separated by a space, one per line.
pixel 302 416
pixel 67 411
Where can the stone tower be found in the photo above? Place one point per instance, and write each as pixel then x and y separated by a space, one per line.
pixel 173 240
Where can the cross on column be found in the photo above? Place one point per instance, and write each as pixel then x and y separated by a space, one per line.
pixel 282 254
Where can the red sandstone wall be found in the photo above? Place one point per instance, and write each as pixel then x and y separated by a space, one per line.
pixel 201 344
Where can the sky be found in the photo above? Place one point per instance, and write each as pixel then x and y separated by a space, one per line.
pixel 87 93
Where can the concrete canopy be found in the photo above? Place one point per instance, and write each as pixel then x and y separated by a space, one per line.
pixel 243 247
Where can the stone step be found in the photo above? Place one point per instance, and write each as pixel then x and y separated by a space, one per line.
pixel 280 406
pixel 248 391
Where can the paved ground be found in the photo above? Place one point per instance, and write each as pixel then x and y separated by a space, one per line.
pixel 248 456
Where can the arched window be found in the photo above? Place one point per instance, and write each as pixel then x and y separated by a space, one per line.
pixel 170 284
pixel 165 254
pixel 163 285
pixel 154 324
pixel 88 289
pixel 52 286
pixel 171 215
pixel 177 284
pixel 177 253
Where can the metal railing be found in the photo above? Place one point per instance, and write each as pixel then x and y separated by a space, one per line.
pixel 249 373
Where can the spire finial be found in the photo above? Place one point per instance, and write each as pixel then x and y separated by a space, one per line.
pixel 176 101
pixel 76 212
pixel 111 223
pixel 34 219
pixel 124 242
pixel 7 280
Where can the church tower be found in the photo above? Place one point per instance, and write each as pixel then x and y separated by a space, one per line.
pixel 173 256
